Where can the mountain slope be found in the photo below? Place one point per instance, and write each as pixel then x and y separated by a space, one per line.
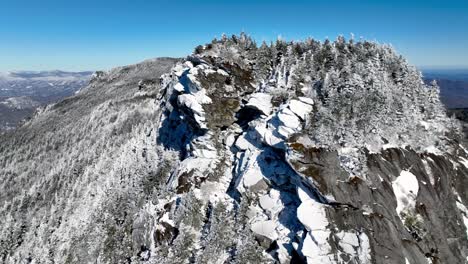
pixel 304 152
pixel 21 93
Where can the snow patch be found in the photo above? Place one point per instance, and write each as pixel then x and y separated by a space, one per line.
pixel 306 100
pixel 300 108
pixel 265 229
pixel 464 162
pixel 261 101
pixel 405 188
pixel 464 212
pixel 271 203
pixel 311 213
pixel 316 252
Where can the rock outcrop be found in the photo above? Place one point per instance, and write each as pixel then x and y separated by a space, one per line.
pixel 305 152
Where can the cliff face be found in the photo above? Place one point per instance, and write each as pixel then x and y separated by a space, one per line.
pixel 293 152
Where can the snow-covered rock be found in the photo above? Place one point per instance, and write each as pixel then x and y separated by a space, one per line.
pixel 240 154
pixel 261 101
pixel 406 188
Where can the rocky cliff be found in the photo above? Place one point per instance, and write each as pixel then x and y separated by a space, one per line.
pixel 293 152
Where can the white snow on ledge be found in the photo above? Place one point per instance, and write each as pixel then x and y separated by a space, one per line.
pixel 261 101
pixel 311 213
pixel 300 108
pixel 464 162
pixel 405 188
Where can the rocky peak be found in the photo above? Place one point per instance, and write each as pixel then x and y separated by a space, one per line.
pixel 293 152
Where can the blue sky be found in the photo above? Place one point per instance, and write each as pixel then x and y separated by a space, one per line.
pixel 91 35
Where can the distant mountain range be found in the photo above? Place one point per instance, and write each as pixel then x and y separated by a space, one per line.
pixel 453 85
pixel 21 92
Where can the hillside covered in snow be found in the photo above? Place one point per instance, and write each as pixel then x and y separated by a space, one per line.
pixel 22 92
pixel 288 152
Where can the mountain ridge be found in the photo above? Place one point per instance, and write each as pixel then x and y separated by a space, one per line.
pixel 239 153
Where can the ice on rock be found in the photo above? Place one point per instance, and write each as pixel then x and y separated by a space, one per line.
pixel 285 131
pixel 193 81
pixel 266 229
pixel 209 71
pixel 348 241
pixel 222 72
pixel 243 144
pixel 289 119
pixel 188 64
pixel 405 188
pixel 316 252
pixel 229 141
pixel 179 87
pixel 271 203
pixel 261 101
pixel 464 162
pixel 355 244
pixel 300 108
pixel 252 176
pixel 364 251
pixel 179 70
pixel 306 100
pixel 205 153
pixel 311 213
pixel 267 136
pixel 190 102
pixel 249 169
pixel 463 210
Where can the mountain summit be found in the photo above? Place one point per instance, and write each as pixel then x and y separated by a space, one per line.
pixel 289 152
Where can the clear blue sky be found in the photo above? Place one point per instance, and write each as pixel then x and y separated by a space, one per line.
pixel 91 35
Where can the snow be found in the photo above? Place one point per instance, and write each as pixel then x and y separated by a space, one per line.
pixel 464 162
pixel 289 119
pixel 179 70
pixel 209 71
pixel 279 213
pixel 194 100
pixel 405 188
pixel 222 72
pixel 300 108
pixel 464 212
pixel 428 169
pixel 271 203
pixel 306 100
pixel 251 172
pixel 434 150
pixel 229 141
pixel 188 64
pixel 266 229
pixel 424 124
pixel 267 136
pixel 205 153
pixel 315 252
pixel 243 144
pixel 252 177
pixel 190 101
pixel 364 249
pixel 311 213
pixel 179 87
pixel 348 241
pixel 261 101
